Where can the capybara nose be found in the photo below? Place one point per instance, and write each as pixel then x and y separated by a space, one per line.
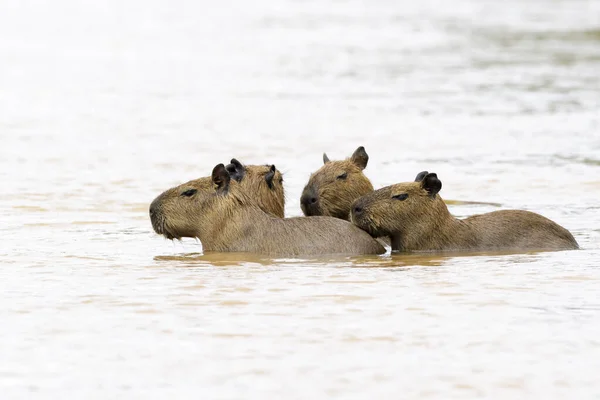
pixel 309 202
pixel 308 198
pixel 154 207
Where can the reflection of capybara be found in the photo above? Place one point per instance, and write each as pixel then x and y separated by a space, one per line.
pixel 228 219
pixel 332 189
pixel 416 218
pixel 263 183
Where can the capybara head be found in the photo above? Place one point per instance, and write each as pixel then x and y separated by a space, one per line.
pixel 176 213
pixel 412 208
pixel 190 211
pixel 263 182
pixel 333 188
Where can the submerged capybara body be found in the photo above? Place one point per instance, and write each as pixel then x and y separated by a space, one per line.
pixel 264 183
pixel 417 219
pixel 333 188
pixel 229 220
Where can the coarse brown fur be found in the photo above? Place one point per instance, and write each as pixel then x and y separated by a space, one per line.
pixel 228 219
pixel 264 183
pixel 326 193
pixel 417 219
pixel 333 188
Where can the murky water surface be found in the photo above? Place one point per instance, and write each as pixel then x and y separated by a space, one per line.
pixel 106 104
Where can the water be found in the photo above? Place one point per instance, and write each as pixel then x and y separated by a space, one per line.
pixel 106 105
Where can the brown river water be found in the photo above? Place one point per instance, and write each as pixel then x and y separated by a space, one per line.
pixel 103 105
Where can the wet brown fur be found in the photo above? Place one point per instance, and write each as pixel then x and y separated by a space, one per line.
pixel 422 222
pixel 271 200
pixel 333 193
pixel 228 219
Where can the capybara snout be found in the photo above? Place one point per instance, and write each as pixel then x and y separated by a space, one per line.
pixel 174 208
pixel 309 202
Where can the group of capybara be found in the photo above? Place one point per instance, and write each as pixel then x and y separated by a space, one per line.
pixel 240 208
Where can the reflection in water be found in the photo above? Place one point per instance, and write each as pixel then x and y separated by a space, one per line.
pixel 472 203
pixel 389 260
pixel 215 259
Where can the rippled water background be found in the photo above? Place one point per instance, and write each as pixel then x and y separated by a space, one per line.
pixel 106 104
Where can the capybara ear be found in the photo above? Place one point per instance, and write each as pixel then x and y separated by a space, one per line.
pixel 221 178
pixel 360 157
pixel 236 170
pixel 421 175
pixel 325 158
pixel 270 175
pixel 432 184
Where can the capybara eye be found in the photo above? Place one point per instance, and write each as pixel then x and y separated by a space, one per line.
pixel 400 197
pixel 189 193
pixel 343 176
pixel 280 180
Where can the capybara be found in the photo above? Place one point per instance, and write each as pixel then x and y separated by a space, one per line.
pixel 333 188
pixel 228 219
pixel 417 219
pixel 264 183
